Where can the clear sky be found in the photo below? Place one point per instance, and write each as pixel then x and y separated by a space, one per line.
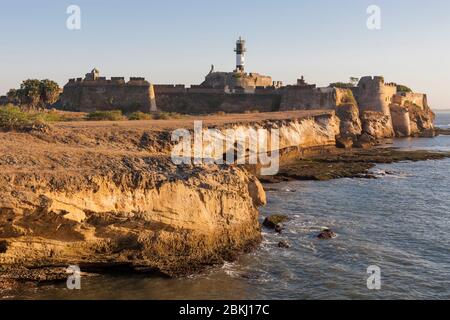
pixel 176 41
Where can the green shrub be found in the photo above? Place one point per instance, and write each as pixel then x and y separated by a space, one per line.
pixel 50 116
pixel 167 115
pixel 138 115
pixel 113 115
pixel 402 88
pixel 349 98
pixel 14 118
pixel 341 85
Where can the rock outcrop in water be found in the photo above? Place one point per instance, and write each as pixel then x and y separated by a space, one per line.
pixel 326 234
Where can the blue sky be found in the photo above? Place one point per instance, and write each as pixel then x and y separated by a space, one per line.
pixel 176 41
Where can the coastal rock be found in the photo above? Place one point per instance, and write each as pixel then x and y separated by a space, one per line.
pixel 257 193
pixel 272 221
pixel 377 124
pixel 326 234
pixel 117 204
pixel 428 133
pixel 421 118
pixel 284 244
pixel 344 142
pixel 365 141
pixel 350 123
pixel 104 196
pixel 135 218
pixel 442 131
pixel 279 228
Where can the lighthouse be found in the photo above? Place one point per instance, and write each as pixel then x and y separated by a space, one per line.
pixel 240 55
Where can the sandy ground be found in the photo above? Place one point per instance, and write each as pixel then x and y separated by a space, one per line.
pixel 188 121
pixel 83 145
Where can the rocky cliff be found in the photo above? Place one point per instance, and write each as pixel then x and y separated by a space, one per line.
pixel 100 195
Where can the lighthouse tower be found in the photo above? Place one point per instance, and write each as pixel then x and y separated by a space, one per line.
pixel 240 55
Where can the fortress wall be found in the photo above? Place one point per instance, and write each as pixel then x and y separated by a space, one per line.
pixel 295 98
pixel 401 121
pixel 89 96
pixel 169 88
pixel 234 80
pixel 372 94
pixel 342 96
pixel 212 102
pixel 199 89
pixel 259 80
pixel 410 99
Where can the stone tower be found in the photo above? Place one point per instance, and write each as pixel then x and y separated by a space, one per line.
pixel 240 55
pixel 93 75
pixel 373 94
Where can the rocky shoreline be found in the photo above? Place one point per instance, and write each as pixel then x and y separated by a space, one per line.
pixel 353 163
pixel 108 198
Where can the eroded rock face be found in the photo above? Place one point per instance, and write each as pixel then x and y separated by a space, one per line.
pixel 110 196
pixel 320 130
pixel 103 198
pixel 350 125
pixel 173 222
pixel 422 119
pixel 377 124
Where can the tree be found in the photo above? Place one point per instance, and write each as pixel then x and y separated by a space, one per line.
pixel 35 93
pixel 49 92
pixel 12 96
pixel 29 93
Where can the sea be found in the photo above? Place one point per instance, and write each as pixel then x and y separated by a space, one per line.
pixel 397 225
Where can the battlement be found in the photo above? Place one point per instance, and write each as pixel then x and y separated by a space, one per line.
pixel 103 81
pixel 169 88
pixel 411 99
pixel 137 79
pixel 375 81
pixel 99 93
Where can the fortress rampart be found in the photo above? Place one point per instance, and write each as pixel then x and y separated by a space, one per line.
pixel 205 100
pixel 408 99
pixel 373 94
pixel 307 98
pixel 379 109
pixel 98 93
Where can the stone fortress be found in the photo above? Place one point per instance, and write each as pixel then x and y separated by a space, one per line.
pixel 374 106
pixel 98 93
